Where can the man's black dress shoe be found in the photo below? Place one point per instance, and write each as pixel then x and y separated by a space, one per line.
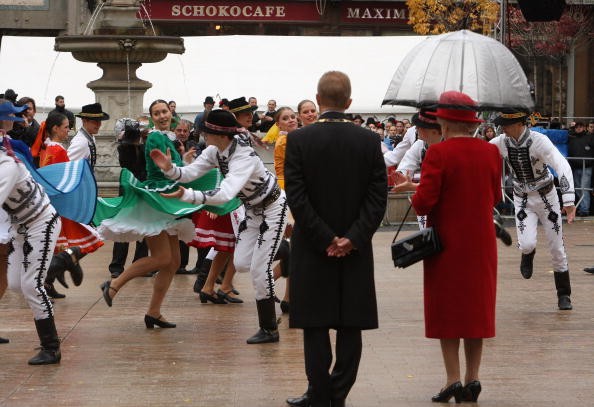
pixel 301 401
pixel 453 390
pixel 4 340
pixel 264 336
pixel 589 270
pixel 527 264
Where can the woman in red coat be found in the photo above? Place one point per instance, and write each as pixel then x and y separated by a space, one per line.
pixel 460 184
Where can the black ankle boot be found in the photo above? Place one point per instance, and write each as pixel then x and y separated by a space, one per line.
pixel 500 231
pixel 268 331
pixel 51 291
pixel 56 271
pixel 76 272
pixel 50 343
pixel 527 264
pixel 284 254
pixel 202 275
pixel 563 286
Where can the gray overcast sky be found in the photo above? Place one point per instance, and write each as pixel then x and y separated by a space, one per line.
pixel 281 68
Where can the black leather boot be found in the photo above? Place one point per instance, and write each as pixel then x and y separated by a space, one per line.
pixel 72 266
pixel 56 271
pixel 62 262
pixel 500 231
pixel 202 275
pixel 284 254
pixel 51 290
pixel 268 331
pixel 527 264
pixel 50 343
pixel 563 290
pixel 4 340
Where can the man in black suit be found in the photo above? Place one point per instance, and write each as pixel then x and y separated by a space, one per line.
pixel 337 190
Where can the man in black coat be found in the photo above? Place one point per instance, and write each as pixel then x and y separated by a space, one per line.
pixel 337 190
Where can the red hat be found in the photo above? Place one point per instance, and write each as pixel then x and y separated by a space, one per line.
pixel 457 107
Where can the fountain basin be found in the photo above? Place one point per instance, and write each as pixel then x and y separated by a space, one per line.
pixel 119 48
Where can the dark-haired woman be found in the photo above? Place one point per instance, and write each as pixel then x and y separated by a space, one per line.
pixel 142 213
pixel 248 179
pixel 76 240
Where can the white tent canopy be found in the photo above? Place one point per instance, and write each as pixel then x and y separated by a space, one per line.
pixel 281 68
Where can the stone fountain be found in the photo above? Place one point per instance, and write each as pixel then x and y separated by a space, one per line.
pixel 119 43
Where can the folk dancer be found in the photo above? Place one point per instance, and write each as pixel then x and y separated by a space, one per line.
pixel 528 154
pixel 247 178
pixel 34 230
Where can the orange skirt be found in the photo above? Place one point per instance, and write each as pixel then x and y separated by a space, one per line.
pixel 76 234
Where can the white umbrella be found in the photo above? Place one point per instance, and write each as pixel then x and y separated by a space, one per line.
pixel 479 66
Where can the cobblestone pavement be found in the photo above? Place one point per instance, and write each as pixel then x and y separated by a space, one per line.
pixel 540 357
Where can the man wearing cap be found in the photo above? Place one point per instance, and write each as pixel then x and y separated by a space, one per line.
pixel 429 133
pixel 246 178
pixel 200 117
pixel 83 144
pixel 244 113
pixel 33 232
pixel 529 154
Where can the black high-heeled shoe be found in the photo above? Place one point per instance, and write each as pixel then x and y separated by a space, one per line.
pixel 205 297
pixel 471 391
pixel 105 287
pixel 150 322
pixel 227 297
pixel 453 390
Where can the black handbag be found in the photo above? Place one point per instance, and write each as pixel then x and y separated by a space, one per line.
pixel 416 247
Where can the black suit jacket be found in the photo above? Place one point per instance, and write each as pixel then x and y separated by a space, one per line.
pixel 335 180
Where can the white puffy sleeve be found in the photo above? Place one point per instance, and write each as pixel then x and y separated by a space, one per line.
pixel 550 155
pixel 393 157
pixel 78 148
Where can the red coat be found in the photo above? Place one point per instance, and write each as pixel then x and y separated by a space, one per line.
pixel 460 184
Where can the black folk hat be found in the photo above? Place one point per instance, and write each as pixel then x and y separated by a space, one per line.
pixel 425 119
pixel 209 100
pixel 240 105
pixel 220 122
pixel 511 116
pixel 93 111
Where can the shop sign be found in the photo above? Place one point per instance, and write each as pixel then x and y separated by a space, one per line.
pixel 394 12
pixel 232 10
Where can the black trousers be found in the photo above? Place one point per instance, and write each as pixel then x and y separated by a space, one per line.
pixel 326 386
pixel 120 253
pixel 184 252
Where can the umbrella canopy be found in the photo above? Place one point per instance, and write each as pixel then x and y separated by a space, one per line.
pixel 477 65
